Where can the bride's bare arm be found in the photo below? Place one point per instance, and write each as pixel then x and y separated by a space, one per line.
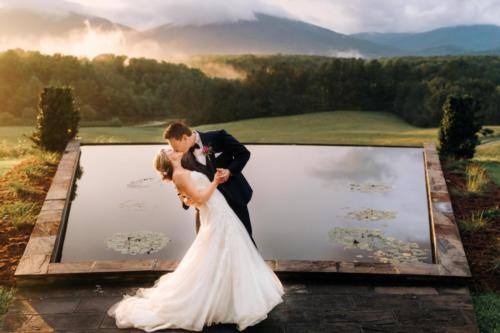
pixel 185 185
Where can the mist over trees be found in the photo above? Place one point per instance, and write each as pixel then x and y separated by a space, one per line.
pixel 139 89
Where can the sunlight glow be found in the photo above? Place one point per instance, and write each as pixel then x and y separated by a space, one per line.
pixel 89 41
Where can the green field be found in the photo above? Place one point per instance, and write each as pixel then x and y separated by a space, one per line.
pixel 6 164
pixel 337 127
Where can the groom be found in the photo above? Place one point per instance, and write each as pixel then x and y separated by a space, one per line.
pixel 208 152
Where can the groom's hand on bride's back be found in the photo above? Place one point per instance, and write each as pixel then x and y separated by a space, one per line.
pixel 184 200
pixel 187 201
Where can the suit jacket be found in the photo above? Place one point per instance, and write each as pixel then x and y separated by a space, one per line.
pixel 233 156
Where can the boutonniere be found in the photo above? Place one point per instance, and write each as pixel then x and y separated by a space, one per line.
pixel 206 150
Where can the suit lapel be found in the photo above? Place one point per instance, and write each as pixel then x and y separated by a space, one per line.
pixel 210 159
pixel 205 141
pixel 205 138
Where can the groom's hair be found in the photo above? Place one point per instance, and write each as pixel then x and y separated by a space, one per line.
pixel 176 130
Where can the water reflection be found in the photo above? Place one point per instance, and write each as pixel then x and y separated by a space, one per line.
pixel 143 182
pixel 358 165
pixel 301 193
pixel 130 204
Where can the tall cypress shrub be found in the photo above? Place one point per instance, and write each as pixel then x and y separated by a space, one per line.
pixel 459 126
pixel 57 119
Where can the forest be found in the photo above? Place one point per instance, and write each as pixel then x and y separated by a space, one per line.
pixel 139 89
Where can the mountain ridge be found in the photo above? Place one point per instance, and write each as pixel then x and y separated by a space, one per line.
pixel 470 38
pixel 266 35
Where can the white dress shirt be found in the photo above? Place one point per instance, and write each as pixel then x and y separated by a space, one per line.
pixel 197 152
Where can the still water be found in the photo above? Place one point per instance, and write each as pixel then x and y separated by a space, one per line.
pixel 365 204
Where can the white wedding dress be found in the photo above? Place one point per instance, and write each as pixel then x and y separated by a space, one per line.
pixel 222 278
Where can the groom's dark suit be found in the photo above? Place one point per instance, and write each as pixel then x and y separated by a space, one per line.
pixel 234 157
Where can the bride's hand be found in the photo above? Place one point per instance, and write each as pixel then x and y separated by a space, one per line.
pixel 218 178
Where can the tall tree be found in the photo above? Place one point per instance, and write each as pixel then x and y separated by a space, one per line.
pixel 459 126
pixel 57 119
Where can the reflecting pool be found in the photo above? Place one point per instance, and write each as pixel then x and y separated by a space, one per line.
pixel 310 202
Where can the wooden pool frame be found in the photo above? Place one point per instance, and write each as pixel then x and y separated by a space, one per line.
pixel 39 260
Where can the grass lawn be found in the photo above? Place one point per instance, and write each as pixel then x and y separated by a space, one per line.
pixel 337 127
pixel 6 296
pixel 489 156
pixel 7 164
pixel 487 308
pixel 13 134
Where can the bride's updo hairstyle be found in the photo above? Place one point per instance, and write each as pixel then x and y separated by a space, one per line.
pixel 163 165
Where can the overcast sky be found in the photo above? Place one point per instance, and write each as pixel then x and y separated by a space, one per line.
pixel 345 16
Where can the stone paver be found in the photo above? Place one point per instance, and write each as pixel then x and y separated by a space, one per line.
pixel 310 305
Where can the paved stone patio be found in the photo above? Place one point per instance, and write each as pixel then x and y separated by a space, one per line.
pixel 311 304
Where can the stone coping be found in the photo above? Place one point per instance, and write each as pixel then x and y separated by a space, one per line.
pixel 39 262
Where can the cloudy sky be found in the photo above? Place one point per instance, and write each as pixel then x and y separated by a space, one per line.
pixel 346 16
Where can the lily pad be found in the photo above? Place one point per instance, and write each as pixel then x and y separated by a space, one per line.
pixel 382 248
pixel 370 214
pixel 370 187
pixel 137 242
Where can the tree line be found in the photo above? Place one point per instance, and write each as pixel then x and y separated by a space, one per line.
pixel 137 89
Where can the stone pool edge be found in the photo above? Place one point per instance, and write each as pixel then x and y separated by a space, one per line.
pixel 39 250
pixel 447 244
pixel 35 264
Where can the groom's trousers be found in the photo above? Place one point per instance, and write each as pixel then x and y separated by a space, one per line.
pixel 241 212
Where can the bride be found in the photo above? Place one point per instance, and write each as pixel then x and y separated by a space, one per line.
pixel 222 277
